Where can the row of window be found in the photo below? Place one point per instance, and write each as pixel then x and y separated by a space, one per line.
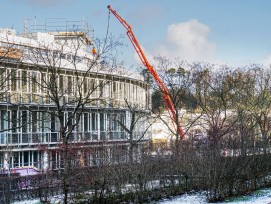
pixel 54 159
pixel 24 121
pixel 25 81
pixel 31 127
pixel 21 159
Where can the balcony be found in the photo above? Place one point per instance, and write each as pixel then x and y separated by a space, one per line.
pixel 35 138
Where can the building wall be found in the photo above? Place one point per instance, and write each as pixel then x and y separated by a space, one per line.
pixel 28 122
pixel 30 129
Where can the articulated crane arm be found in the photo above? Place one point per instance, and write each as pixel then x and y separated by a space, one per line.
pixel 166 97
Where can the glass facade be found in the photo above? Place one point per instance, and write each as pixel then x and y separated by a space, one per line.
pixel 29 117
pixel 51 94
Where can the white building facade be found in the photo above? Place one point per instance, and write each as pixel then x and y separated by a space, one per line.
pixel 30 131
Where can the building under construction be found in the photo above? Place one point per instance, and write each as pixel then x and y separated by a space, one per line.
pixel 55 90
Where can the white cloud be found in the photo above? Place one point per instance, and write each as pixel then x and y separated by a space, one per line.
pixel 267 60
pixel 186 41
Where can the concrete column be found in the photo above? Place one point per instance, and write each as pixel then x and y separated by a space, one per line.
pixel 45 166
pixel 98 125
pixel 6 161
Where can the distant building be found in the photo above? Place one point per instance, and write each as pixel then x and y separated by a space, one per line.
pixel 163 128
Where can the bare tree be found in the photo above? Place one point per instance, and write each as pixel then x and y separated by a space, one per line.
pixel 213 93
pixel 63 78
pixel 137 129
pixel 242 83
pixel 260 103
pixel 9 54
pixel 62 86
pixel 179 78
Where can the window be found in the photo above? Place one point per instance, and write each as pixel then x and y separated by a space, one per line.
pixel 70 85
pixel 35 158
pixel 131 92
pixel 114 122
pixel 69 57
pixel 115 90
pixel 86 122
pixel 45 122
pixel 62 56
pixel 78 85
pixel 14 120
pixel 85 86
pixel 136 93
pixel 16 159
pixel 70 120
pixel 7 79
pixel 79 122
pixel 24 121
pixel 94 121
pixel 26 158
pixel 53 121
pixel 13 80
pixel 78 59
pixel 1 160
pixel 126 91
pixel 109 121
pixel 101 86
pixel 3 120
pixel 34 121
pixel 2 78
pixel 55 54
pixel 122 120
pixel 61 84
pixel 121 91
pixel 102 122
pixel 34 82
pixel 24 81
pixel 92 87
pixel 43 82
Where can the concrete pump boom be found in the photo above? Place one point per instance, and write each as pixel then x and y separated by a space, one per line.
pixel 166 97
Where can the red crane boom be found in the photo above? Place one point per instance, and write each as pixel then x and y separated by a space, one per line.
pixel 166 97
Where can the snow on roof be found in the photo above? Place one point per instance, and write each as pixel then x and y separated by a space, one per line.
pixel 52 41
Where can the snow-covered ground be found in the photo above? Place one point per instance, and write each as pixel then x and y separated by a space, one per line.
pixel 198 198
pixel 259 197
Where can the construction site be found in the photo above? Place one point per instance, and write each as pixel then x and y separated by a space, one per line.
pixel 28 111
pixel 76 126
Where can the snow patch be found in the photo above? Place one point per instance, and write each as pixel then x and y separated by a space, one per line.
pixel 260 197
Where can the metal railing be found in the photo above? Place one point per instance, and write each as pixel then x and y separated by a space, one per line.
pixel 54 137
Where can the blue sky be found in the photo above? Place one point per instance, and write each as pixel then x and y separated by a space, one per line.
pixel 235 32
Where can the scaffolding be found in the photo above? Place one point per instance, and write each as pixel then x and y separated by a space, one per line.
pixel 58 25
